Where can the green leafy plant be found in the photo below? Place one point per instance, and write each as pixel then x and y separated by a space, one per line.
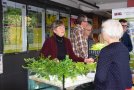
pixel 97 46
pixel 45 67
pixel 131 61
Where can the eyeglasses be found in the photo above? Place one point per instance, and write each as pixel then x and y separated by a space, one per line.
pixel 85 21
pixel 88 30
pixel 125 25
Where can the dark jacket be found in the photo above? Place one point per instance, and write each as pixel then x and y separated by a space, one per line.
pixel 127 41
pixel 50 49
pixel 113 71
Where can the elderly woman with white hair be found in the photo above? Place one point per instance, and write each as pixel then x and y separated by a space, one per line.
pixel 113 71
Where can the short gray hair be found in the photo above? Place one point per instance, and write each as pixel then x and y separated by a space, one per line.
pixel 56 24
pixel 112 28
pixel 81 18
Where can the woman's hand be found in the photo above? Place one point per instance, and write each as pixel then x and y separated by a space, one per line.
pixel 89 60
pixel 57 60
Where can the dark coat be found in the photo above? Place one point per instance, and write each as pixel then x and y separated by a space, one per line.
pixel 50 49
pixel 113 71
pixel 127 41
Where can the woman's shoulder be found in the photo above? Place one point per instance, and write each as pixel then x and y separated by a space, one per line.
pixel 116 47
pixel 65 38
pixel 111 47
pixel 49 39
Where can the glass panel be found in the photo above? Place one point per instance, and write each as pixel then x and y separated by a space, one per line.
pixel 73 21
pixel 51 16
pixel 34 29
pixel 12 29
pixel 65 18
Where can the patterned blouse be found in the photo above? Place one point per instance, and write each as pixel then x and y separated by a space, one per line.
pixel 79 42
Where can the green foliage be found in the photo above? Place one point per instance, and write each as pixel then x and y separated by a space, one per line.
pixel 12 16
pixel 131 61
pixel 97 46
pixel 132 64
pixel 45 67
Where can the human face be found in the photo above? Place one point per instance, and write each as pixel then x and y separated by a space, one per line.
pixel 124 25
pixel 87 33
pixel 60 30
pixel 88 30
pixel 84 23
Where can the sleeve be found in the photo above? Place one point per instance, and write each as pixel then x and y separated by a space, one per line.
pixel 130 47
pixel 80 44
pixel 45 48
pixel 102 67
pixel 72 55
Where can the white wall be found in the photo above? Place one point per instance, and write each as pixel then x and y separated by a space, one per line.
pixel 112 5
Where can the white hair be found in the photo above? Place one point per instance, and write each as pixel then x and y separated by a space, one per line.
pixel 112 28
